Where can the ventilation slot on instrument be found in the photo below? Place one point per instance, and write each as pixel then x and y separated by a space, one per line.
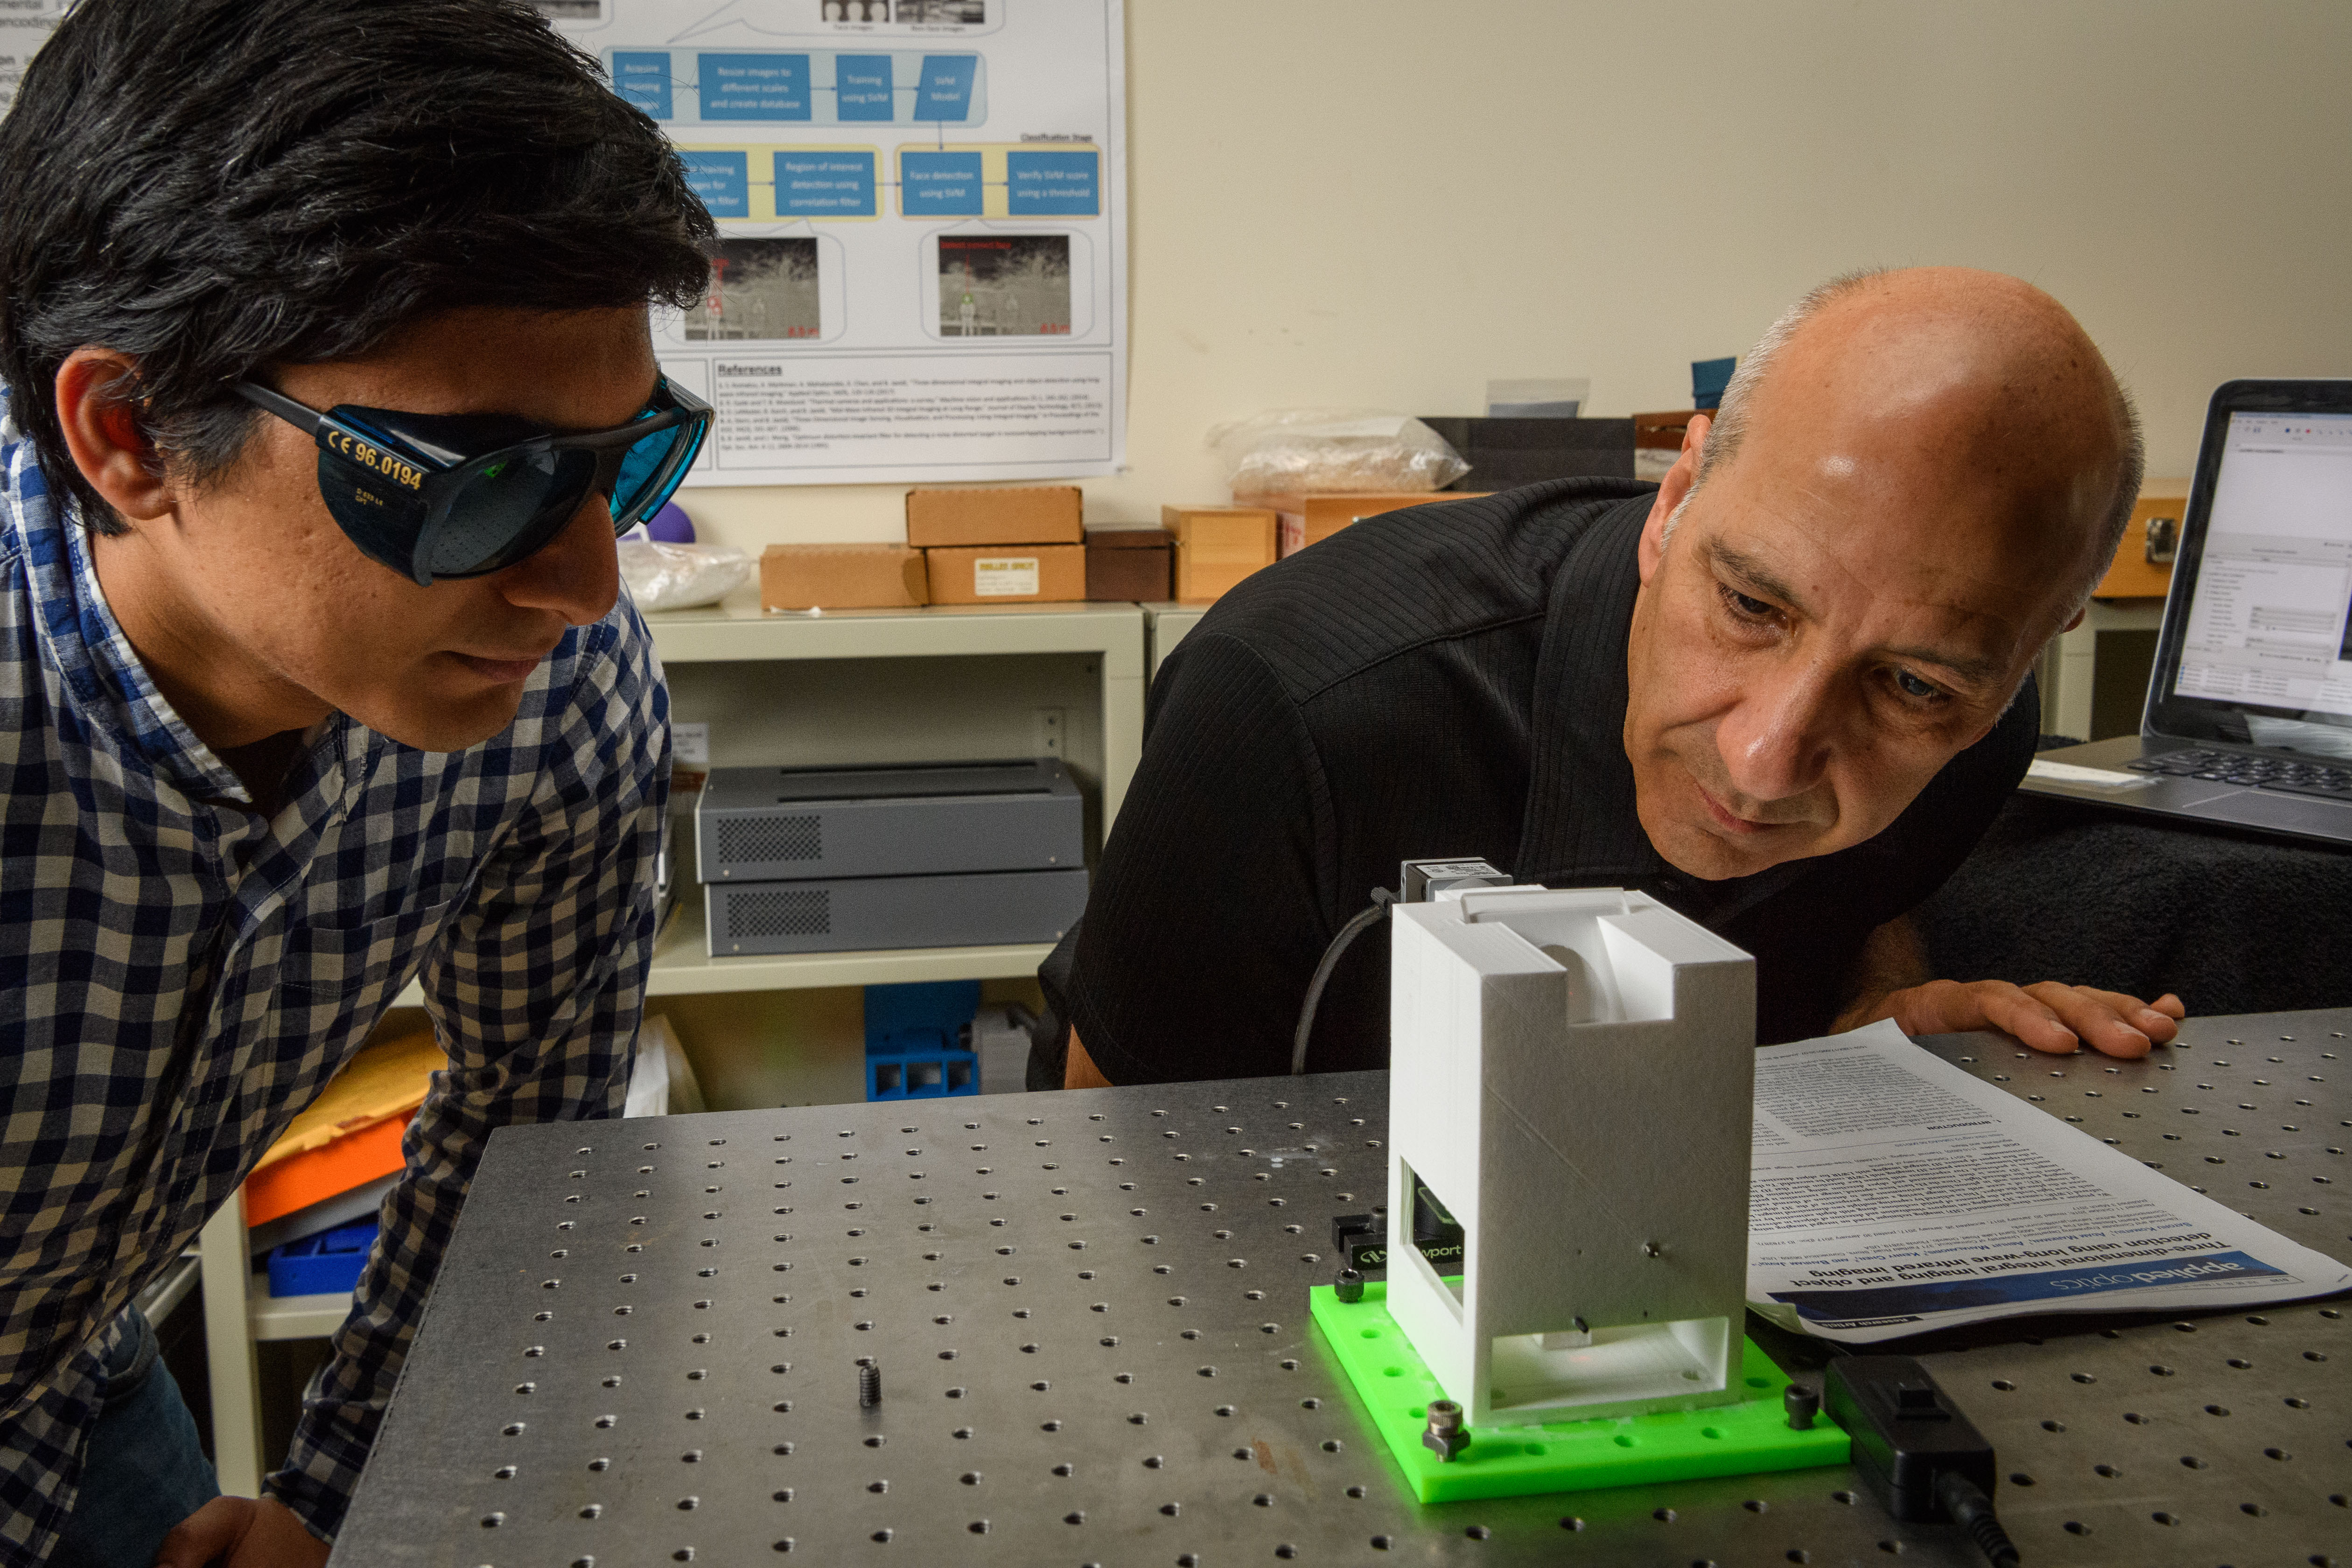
pixel 782 911
pixel 759 839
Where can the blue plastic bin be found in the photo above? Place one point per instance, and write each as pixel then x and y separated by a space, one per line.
pixel 322 1265
pixel 914 1038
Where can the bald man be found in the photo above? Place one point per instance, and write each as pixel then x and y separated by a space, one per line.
pixel 1785 691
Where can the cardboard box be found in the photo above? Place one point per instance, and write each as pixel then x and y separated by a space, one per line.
pixel 1305 519
pixel 1008 575
pixel 949 519
pixel 842 577
pixel 1127 563
pixel 1217 546
pixel 2131 575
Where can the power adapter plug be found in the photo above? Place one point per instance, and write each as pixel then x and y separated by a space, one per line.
pixel 1925 1461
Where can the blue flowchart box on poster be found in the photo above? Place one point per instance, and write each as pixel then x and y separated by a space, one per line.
pixel 723 180
pixel 945 93
pixel 643 79
pixel 861 87
pixel 1048 185
pixel 825 185
pixel 754 87
pixel 940 184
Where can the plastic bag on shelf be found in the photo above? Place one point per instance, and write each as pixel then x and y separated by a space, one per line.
pixel 661 1078
pixel 1349 449
pixel 680 577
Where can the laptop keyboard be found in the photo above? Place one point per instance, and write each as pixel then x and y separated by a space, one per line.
pixel 2289 777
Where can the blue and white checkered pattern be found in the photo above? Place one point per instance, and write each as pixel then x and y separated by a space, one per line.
pixel 179 977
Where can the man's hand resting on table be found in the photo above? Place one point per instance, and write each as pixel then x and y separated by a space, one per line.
pixel 2048 1016
pixel 241 1533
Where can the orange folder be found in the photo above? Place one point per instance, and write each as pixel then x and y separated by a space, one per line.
pixel 351 1134
pixel 316 1174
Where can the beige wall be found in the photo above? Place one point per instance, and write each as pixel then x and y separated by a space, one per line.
pixel 1385 204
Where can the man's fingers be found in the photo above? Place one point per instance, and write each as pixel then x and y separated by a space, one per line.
pixel 2050 1016
pixel 2094 1016
pixel 2024 1013
pixel 1938 1007
pixel 2154 1019
pixel 206 1536
pixel 277 1540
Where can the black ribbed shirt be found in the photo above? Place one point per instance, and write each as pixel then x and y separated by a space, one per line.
pixel 1446 681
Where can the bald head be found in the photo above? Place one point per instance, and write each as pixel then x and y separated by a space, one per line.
pixel 1972 384
pixel 1916 480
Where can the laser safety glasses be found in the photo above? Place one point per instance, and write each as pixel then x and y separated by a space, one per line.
pixel 460 495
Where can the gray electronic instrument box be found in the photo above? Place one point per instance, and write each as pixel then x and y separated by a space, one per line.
pixel 984 908
pixel 927 855
pixel 771 824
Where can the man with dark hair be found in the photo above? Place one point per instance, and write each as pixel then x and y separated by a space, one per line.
pixel 328 375
pixel 1785 693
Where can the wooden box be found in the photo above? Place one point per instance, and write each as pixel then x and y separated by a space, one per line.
pixel 1217 546
pixel 1132 564
pixel 1310 519
pixel 2131 575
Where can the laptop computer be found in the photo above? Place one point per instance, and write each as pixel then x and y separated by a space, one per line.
pixel 2248 714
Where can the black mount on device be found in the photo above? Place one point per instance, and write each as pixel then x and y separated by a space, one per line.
pixel 1420 881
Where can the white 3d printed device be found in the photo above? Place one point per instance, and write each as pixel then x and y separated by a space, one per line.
pixel 1572 1077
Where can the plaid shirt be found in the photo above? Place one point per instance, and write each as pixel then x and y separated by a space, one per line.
pixel 179 977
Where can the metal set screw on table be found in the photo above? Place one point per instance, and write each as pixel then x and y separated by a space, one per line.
pixel 1088 1313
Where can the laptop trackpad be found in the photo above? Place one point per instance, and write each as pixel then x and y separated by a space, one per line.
pixel 2292 813
pixel 2162 794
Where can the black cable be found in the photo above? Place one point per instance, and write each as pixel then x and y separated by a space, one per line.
pixel 1381 899
pixel 1972 1511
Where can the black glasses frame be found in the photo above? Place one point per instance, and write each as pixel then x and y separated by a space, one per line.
pixel 428 460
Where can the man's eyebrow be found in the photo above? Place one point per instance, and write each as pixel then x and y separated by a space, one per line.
pixel 1757 575
pixel 1978 669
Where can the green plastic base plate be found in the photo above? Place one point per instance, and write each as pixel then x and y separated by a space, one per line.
pixel 1740 1439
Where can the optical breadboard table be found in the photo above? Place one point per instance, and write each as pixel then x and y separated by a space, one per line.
pixel 1089 1314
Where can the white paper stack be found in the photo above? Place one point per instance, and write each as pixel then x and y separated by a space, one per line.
pixel 1892 1194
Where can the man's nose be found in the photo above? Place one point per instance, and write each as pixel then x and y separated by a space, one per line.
pixel 1777 743
pixel 577 574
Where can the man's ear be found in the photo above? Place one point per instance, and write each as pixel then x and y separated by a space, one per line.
pixel 101 431
pixel 1673 491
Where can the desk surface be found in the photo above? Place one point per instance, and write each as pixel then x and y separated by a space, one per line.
pixel 1089 1311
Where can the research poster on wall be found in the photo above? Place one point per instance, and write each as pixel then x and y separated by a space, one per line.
pixel 921 269
pixel 25 26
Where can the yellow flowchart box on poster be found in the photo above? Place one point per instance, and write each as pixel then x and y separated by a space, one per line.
pixel 766 181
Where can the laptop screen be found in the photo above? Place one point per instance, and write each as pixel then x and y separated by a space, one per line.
pixel 2257 639
pixel 2267 620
